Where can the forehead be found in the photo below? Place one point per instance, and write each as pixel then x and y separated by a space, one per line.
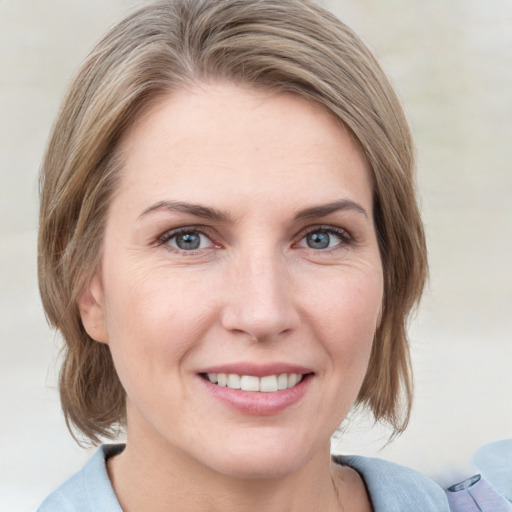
pixel 223 137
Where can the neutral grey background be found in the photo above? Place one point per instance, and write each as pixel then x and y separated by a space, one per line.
pixel 452 63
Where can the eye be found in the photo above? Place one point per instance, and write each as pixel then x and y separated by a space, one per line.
pixel 324 238
pixel 187 239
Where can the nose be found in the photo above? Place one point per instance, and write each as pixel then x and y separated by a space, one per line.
pixel 260 303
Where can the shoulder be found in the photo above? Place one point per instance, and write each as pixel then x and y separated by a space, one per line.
pixel 87 490
pixel 395 488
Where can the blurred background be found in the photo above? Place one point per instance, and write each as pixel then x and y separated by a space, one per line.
pixel 451 62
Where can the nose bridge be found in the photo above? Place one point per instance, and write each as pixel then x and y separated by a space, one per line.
pixel 261 304
pixel 261 275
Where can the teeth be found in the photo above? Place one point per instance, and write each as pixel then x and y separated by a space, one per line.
pixel 234 381
pixel 292 380
pixel 282 381
pixel 267 384
pixel 249 383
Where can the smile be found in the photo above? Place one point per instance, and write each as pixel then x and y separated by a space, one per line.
pixel 266 384
pixel 257 390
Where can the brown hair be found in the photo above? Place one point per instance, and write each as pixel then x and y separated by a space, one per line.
pixel 285 45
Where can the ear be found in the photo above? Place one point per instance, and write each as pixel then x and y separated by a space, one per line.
pixel 92 310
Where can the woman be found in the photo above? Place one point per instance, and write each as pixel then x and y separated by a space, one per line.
pixel 230 245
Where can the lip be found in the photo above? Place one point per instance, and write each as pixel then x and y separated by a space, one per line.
pixel 257 370
pixel 256 403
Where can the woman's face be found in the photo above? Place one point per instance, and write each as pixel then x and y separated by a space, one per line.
pixel 239 251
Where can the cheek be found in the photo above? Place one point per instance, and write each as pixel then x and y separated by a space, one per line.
pixel 154 321
pixel 346 312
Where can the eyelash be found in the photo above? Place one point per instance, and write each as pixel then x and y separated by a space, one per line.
pixel 173 233
pixel 342 234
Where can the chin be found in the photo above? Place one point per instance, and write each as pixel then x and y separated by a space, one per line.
pixel 253 459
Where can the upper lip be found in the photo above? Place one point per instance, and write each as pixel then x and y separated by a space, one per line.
pixel 257 370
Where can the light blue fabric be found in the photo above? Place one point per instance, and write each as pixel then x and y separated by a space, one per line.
pixel 89 490
pixel 494 462
pixel 491 489
pixel 475 494
pixel 392 488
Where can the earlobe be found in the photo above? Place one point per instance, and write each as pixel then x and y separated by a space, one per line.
pixel 92 310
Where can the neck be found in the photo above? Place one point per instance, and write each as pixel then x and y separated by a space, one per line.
pixel 158 480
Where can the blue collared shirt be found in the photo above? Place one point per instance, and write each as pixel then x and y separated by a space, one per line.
pixel 392 488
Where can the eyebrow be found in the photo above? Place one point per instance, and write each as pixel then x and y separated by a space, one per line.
pixel 197 210
pixel 325 209
pixel 212 214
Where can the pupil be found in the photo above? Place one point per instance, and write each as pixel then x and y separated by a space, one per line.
pixel 188 241
pixel 318 240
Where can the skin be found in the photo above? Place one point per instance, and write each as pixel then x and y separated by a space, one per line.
pixel 254 291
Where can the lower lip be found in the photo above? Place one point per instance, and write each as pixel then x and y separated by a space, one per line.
pixel 258 403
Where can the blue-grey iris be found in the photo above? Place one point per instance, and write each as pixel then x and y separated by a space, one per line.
pixel 318 240
pixel 188 241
